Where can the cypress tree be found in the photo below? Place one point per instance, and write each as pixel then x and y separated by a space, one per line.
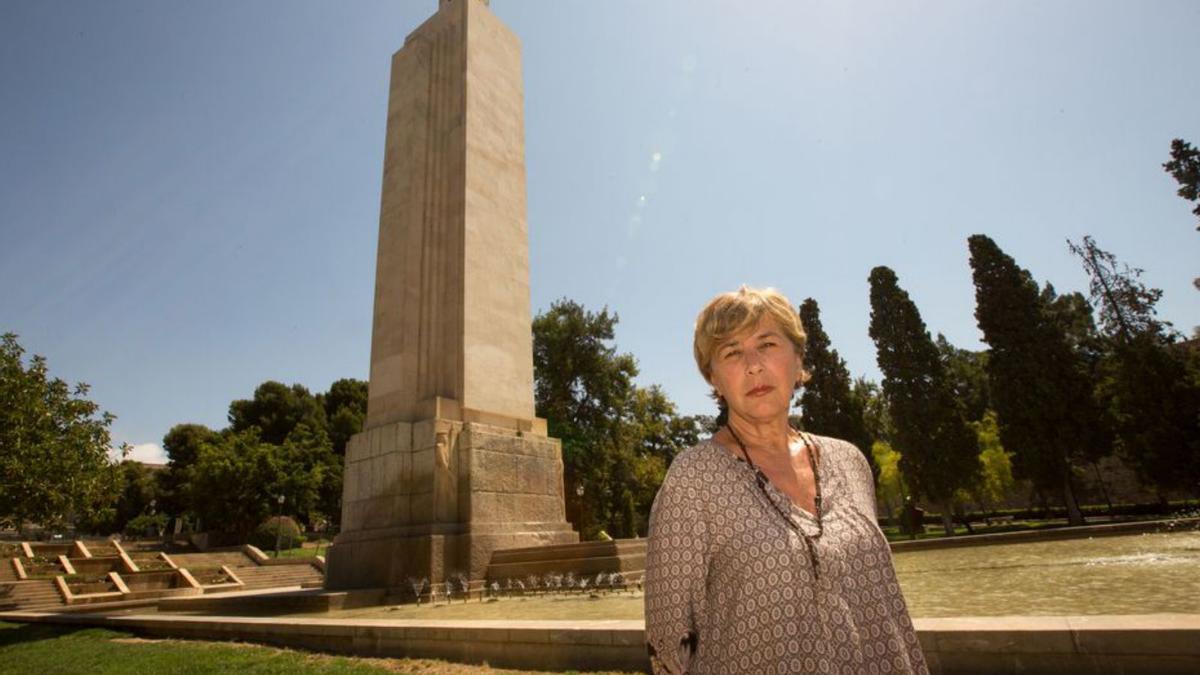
pixel 1039 386
pixel 828 406
pixel 939 452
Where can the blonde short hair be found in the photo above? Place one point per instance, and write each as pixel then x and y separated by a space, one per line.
pixel 731 313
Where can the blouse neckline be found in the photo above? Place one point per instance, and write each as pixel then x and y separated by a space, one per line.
pixel 776 494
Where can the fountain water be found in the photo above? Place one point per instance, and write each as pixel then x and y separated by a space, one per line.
pixel 1128 574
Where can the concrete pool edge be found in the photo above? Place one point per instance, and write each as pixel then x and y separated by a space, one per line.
pixel 1049 534
pixel 1148 643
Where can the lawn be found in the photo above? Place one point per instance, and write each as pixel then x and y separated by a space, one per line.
pixel 308 549
pixel 41 648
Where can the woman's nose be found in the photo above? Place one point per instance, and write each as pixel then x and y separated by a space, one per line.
pixel 753 361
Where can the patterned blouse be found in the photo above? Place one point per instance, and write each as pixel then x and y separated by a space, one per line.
pixel 730 587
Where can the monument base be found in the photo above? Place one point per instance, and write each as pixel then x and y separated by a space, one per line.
pixel 393 561
pixel 433 499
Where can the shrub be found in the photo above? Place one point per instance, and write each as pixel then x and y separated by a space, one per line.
pixel 146 525
pixel 287 530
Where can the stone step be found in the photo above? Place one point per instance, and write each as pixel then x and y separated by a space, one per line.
pixel 99 550
pixel 627 556
pixel 313 574
pixel 212 559
pixel 591 566
pixel 587 549
pixel 265 576
pixel 277 569
pixel 30 595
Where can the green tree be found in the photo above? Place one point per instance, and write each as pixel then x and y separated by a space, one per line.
pixel 182 445
pixel 292 439
pixel 996 482
pixel 828 403
pixel 966 372
pixel 1039 386
pixel 1073 313
pixel 939 453
pixel 312 478
pixel 1127 306
pixel 276 410
pixel 227 482
pixel 54 445
pixel 891 490
pixel 617 438
pixel 875 412
pixel 183 442
pixel 138 494
pixel 1184 167
pixel 345 407
pixel 1150 383
pixel 581 385
pixel 661 430
pixel 235 481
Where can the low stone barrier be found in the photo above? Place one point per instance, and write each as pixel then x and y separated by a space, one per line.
pixel 1054 645
pixel 1162 643
pixel 1048 534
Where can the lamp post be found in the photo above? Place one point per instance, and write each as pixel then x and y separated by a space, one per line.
pixel 279 526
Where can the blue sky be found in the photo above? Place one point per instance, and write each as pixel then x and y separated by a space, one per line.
pixel 189 191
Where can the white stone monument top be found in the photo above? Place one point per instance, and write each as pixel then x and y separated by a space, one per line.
pixel 452 337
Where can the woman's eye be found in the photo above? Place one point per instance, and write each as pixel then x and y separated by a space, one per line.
pixel 732 353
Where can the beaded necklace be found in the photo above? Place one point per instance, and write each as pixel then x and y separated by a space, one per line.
pixel 761 479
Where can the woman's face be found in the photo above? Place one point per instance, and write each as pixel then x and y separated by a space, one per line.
pixel 756 372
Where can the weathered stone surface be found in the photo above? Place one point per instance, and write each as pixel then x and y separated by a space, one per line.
pixel 478 487
pixel 452 307
pixel 452 462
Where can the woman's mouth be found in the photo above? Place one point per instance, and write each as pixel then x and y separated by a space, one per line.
pixel 759 391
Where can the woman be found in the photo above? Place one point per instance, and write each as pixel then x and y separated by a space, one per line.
pixel 764 554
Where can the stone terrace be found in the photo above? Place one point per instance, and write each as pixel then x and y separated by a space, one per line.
pixel 72 575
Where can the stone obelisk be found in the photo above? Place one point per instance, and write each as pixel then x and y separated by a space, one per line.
pixel 452 463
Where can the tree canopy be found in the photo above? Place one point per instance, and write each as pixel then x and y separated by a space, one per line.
pixel 966 373
pixel 828 404
pixel 939 452
pixel 54 445
pixel 284 440
pixel 1039 385
pixel 1151 384
pixel 276 409
pixel 617 438
pixel 1184 167
pixel 345 410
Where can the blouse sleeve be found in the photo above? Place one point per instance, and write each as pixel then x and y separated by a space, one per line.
pixel 860 479
pixel 676 570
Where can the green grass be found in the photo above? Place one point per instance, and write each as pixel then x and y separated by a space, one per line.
pixel 308 550
pixel 41 648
